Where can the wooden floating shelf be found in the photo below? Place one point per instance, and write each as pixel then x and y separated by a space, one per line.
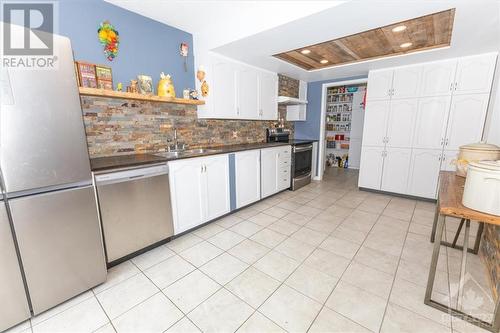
pixel 139 97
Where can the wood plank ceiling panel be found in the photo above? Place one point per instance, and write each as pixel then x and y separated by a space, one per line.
pixel 426 32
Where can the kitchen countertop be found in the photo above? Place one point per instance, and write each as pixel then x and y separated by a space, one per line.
pixel 132 160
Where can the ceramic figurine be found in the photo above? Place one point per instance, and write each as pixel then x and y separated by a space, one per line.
pixel 133 86
pixel 193 94
pixel 119 86
pixel 200 75
pixel 165 86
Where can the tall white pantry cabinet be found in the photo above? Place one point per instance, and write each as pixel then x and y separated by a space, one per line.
pixel 417 117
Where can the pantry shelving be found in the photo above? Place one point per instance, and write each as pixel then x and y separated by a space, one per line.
pixel 340 101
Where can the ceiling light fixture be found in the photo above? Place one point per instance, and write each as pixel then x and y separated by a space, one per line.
pixel 324 61
pixel 399 28
pixel 405 45
pixel 306 51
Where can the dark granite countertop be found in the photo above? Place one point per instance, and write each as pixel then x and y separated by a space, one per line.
pixel 133 160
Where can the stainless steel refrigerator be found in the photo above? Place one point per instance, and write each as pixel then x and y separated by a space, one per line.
pixel 48 184
pixel 12 288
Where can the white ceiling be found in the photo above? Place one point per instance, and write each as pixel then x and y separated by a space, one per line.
pixel 252 31
pixel 222 21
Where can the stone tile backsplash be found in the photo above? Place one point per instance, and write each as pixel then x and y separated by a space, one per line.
pixel 120 126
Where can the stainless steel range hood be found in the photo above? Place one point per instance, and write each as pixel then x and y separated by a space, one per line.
pixel 285 100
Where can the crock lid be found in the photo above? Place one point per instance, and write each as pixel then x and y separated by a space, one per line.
pixel 487 165
pixel 481 146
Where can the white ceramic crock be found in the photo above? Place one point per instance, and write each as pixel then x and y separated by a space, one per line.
pixel 475 152
pixel 482 187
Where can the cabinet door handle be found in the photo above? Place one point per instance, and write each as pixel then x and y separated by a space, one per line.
pixel 442 142
pixel 201 169
pixel 237 110
pixel 451 86
pixel 456 85
pixel 446 142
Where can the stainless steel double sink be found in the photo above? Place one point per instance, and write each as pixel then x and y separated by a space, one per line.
pixel 187 152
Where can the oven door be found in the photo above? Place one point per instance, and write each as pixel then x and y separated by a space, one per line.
pixel 302 160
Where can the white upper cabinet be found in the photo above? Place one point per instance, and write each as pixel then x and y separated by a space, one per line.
pixel 216 185
pixel 248 95
pixel 224 97
pixel 466 120
pixel 379 84
pixel 406 82
pixel 401 123
pixel 247 174
pixel 430 126
pixel 240 91
pixel 268 96
pixel 375 124
pixel 371 165
pixel 438 78
pixel 424 172
pixel 396 169
pixel 475 74
pixel 298 112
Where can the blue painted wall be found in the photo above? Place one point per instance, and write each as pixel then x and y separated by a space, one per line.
pixel 146 46
pixel 309 129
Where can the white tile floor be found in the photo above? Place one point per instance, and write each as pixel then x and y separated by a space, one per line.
pixel 326 258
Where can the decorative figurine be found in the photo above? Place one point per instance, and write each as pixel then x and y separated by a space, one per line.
pixel 119 86
pixel 132 87
pixel 185 93
pixel 165 86
pixel 184 50
pixel 200 75
pixel 193 94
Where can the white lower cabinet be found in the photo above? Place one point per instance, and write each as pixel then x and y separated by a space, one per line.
pixel 396 168
pixel 371 166
pixel 199 190
pixel 424 172
pixel 247 177
pixel 275 170
pixel 217 186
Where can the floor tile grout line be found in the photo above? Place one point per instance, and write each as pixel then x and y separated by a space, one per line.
pixel 339 280
pixel 161 291
pixel 395 274
pixel 103 310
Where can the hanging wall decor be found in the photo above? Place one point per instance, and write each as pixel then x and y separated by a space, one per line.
pixel 109 39
pixel 184 50
pixel 200 75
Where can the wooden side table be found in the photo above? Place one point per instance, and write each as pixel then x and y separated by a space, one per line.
pixel 450 204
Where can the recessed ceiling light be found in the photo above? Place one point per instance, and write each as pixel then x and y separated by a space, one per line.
pixel 399 28
pixel 405 45
pixel 324 61
pixel 306 51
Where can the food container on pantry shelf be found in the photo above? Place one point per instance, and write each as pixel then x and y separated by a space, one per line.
pixel 482 187
pixel 475 152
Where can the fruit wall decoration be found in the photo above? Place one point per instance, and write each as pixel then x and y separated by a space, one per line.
pixel 109 39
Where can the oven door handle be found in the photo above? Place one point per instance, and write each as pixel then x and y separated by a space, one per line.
pixel 298 149
pixel 307 175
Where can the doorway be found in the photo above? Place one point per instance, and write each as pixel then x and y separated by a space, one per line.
pixel 341 125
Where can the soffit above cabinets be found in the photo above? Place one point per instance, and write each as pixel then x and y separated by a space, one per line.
pixel 424 33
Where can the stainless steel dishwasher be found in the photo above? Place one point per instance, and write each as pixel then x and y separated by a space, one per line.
pixel 135 209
